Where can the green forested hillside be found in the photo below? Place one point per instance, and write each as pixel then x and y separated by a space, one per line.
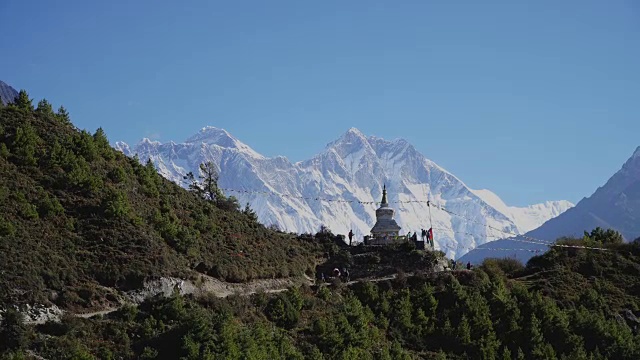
pixel 552 309
pixel 78 218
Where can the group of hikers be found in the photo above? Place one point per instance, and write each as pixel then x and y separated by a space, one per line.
pixel 336 274
pixel 427 236
pixel 454 264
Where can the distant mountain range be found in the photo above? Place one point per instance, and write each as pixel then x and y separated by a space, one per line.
pixel 352 168
pixel 615 205
pixel 7 93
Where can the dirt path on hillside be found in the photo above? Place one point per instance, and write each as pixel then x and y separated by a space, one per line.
pixel 206 285
pixel 221 289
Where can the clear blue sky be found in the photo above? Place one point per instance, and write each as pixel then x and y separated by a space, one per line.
pixel 535 100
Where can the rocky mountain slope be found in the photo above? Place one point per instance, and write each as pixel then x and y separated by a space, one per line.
pixel 337 187
pixel 7 93
pixel 615 205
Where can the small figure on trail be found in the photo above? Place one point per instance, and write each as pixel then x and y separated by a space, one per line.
pixel 424 234
pixel 322 275
pixel 336 272
pixel 469 265
pixel 415 236
pixel 350 236
pixel 346 274
pixel 453 264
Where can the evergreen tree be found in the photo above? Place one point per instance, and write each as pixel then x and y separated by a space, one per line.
pixel 464 331
pixel 44 108
pixel 506 353
pixel 24 145
pixel 209 181
pixel 251 214
pixel 63 115
pixel 23 101
pixel 604 237
pixel 193 184
pixel 102 144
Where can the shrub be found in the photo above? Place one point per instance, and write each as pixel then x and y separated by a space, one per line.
pixel 115 205
pixel 50 206
pixel 6 227
pixel 282 312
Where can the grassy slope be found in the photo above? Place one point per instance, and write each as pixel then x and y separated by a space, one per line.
pixel 77 216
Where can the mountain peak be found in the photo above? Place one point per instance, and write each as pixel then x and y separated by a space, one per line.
pixel 211 135
pixel 353 134
pixel 614 205
pixel 350 141
pixel 634 161
pixel 7 93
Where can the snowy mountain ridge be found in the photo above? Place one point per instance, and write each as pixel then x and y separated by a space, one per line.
pixel 354 167
pixel 526 218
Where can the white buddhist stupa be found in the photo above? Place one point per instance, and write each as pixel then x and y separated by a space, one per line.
pixel 386 228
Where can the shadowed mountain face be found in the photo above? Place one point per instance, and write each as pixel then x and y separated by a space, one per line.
pixel 615 205
pixel 7 93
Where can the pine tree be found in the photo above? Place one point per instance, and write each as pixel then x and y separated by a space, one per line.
pixel 23 102
pixel 44 108
pixel 100 139
pixel 464 331
pixel 24 145
pixel 63 115
pixel 506 353
pixel 193 184
pixel 209 182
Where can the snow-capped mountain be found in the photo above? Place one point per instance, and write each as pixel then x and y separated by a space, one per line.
pixel 525 218
pixel 615 205
pixel 300 197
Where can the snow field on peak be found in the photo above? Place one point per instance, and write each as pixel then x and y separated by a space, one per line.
pixel 353 167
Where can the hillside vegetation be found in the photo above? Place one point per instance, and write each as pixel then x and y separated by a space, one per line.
pixel 78 219
pixel 550 309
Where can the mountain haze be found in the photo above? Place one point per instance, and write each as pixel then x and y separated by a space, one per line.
pixel 353 167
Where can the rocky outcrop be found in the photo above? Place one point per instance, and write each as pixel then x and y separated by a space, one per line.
pixel 38 313
pixel 627 317
pixel 7 93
